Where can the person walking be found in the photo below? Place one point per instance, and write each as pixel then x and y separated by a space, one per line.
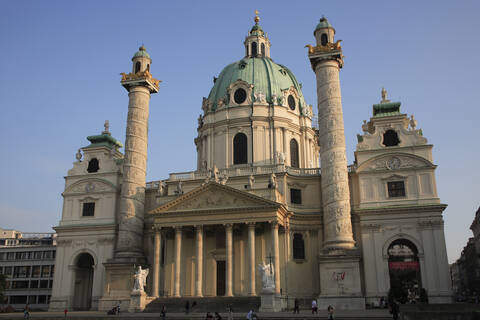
pixel 163 313
pixel 314 306
pixel 187 307
pixel 296 306
pixel 330 313
pixel 394 309
pixel 65 312
pixel 26 313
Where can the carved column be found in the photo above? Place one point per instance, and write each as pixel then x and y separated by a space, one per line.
pixel 229 247
pixel 178 260
pixel 156 262
pixel 333 159
pixel 276 256
pixel 132 196
pixel 251 257
pixel 199 265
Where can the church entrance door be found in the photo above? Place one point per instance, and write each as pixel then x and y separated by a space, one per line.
pixel 82 294
pixel 404 268
pixel 221 268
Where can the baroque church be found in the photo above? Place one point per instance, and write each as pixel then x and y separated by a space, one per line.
pixel 272 187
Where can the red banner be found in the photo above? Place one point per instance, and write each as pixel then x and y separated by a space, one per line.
pixel 403 265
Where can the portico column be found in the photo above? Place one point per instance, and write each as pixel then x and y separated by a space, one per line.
pixel 229 283
pixel 156 262
pixel 178 260
pixel 276 256
pixel 251 256
pixel 199 265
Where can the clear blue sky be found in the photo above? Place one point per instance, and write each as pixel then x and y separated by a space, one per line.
pixel 59 81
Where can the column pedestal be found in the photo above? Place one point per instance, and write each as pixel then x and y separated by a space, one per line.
pixel 340 283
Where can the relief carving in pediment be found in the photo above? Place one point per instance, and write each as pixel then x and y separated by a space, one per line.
pixel 212 200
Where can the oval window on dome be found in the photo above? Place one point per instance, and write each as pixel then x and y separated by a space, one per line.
pixel 291 102
pixel 240 96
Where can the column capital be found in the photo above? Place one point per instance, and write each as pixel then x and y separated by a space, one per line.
pixel 178 228
pixel 156 228
pixel 228 225
pixel 198 226
pixel 251 224
pixel 274 224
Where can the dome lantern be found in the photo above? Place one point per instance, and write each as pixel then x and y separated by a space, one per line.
pixel 257 43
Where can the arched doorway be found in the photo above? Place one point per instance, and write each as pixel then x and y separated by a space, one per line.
pixel 82 294
pixel 404 269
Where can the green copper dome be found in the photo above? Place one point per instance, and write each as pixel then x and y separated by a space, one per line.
pixel 142 52
pixel 267 77
pixel 323 24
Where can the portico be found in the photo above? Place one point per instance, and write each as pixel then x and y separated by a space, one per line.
pixel 212 238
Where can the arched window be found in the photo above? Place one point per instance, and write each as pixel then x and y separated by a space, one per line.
pixel 294 154
pixel 254 49
pixel 390 138
pixel 93 165
pixel 137 66
pixel 324 39
pixel 240 148
pixel 263 49
pixel 298 246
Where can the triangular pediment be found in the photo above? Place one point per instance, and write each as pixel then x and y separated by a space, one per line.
pixel 215 197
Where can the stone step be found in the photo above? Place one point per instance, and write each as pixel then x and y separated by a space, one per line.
pixel 205 304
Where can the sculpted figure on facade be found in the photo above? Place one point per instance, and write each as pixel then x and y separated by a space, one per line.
pixel 78 155
pixel 268 277
pixel 140 279
pixel 179 190
pixel 413 123
pixel 272 181
pixel 260 97
pixel 251 181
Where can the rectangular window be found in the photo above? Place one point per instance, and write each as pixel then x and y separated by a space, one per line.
pixel 396 189
pixel 21 272
pixel 33 284
pixel 296 196
pixel 88 209
pixel 2 255
pixel 11 256
pixel 52 270
pixel 7 271
pixel 38 255
pixel 36 272
pixel 32 299
pixel 47 254
pixel 42 299
pixel 18 300
pixel 43 284
pixel 19 284
pixel 45 271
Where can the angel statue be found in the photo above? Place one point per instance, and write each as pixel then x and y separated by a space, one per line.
pixel 140 279
pixel 268 280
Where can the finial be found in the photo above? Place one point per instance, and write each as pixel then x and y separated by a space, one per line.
pixel 384 96
pixel 106 125
pixel 322 19
pixel 142 48
pixel 257 18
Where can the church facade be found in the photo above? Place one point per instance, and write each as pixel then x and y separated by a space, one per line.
pixel 270 187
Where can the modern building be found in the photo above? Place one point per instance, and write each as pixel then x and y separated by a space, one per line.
pixel 271 186
pixel 28 262
pixel 466 270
